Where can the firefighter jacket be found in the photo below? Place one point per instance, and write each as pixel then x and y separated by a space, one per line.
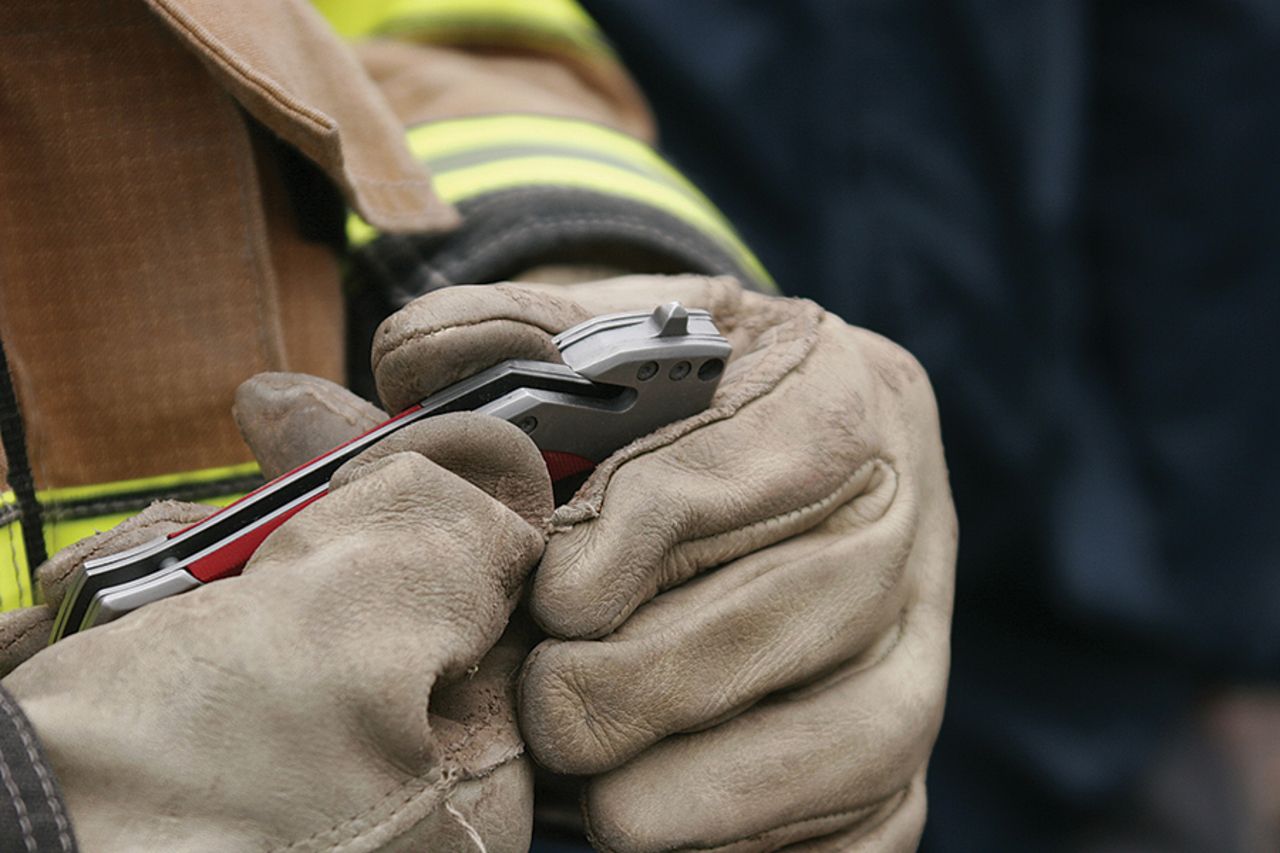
pixel 184 185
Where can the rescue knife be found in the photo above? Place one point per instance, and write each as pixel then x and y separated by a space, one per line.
pixel 623 376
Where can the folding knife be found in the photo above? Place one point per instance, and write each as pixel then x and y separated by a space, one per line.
pixel 623 376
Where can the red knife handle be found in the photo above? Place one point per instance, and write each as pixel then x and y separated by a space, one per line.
pixel 233 553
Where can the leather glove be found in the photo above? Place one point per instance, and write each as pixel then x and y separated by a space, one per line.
pixel 750 607
pixel 345 693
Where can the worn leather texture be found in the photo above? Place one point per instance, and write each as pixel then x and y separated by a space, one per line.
pixel 750 608
pixel 353 690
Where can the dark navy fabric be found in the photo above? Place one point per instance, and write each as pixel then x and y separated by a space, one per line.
pixel 33 816
pixel 1070 211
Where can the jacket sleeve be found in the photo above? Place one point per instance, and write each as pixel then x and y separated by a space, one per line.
pixel 533 130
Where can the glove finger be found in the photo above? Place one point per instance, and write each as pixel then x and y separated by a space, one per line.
pixel 899 832
pixel 157 520
pixel 835 756
pixel 453 333
pixel 23 632
pixel 485 451
pixel 810 415
pixel 290 418
pixel 719 295
pixel 312 673
pixel 720 643
pixel 413 566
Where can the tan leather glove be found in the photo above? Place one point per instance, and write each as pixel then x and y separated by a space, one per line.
pixel 753 604
pixel 346 692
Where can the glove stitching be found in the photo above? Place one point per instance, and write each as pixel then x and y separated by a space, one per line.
pixel 21 636
pixel 423 334
pixel 832 501
pixel 46 785
pixel 416 788
pixel 56 570
pixel 854 815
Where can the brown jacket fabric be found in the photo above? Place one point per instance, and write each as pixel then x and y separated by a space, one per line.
pixel 152 255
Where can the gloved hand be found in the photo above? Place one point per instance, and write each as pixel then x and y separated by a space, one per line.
pixel 346 692
pixel 752 605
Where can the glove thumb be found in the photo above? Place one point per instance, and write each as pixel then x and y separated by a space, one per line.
pixel 290 418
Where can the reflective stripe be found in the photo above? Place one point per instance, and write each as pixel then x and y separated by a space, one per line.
pixel 473 157
pixel 77 512
pixel 549 23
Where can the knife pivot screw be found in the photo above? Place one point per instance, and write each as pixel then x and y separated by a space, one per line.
pixel 647 371
pixel 711 368
pixel 680 370
pixel 528 423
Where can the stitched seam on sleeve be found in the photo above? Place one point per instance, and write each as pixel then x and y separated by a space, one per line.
pixel 46 778
pixel 236 66
pixel 19 804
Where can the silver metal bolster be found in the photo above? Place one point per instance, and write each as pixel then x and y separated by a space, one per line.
pixel 116 601
pixel 671 359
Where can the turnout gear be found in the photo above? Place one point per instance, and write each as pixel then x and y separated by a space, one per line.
pixel 217 217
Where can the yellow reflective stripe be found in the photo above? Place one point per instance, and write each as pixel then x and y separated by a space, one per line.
pixel 563 20
pixel 473 156
pixel 444 138
pixel 98 491
pixel 15 587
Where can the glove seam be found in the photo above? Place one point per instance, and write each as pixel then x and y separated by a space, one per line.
pixel 424 334
pixel 831 498
pixel 418 786
pixel 18 638
pixel 854 814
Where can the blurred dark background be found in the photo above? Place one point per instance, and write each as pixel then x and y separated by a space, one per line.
pixel 1070 212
